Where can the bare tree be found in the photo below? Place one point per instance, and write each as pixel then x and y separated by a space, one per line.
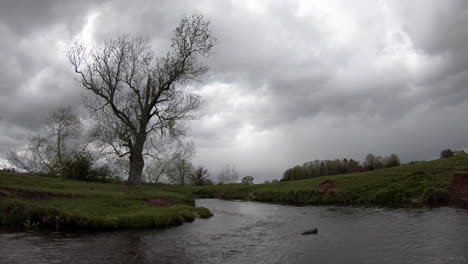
pixel 48 149
pixel 180 166
pixel 36 159
pixel 137 94
pixel 228 174
pixel 199 176
pixel 161 164
pixel 62 125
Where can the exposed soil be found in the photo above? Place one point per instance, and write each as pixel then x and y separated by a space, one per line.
pixel 327 187
pixel 35 195
pixel 159 201
pixel 458 189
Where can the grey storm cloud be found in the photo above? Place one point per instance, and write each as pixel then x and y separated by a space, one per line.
pixel 289 81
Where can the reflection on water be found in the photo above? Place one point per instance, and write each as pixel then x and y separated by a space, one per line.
pixel 248 232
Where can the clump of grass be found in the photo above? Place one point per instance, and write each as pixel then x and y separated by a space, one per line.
pixel 394 194
pixel 31 226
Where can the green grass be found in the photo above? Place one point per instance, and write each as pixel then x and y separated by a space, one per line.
pixel 423 182
pixel 68 204
pixel 86 205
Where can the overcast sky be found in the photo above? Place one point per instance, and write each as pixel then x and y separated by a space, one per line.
pixel 289 82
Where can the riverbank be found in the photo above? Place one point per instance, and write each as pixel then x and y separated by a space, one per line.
pixel 31 201
pixel 52 203
pixel 415 184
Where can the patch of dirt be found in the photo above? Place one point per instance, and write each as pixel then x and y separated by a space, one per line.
pixel 35 195
pixel 458 189
pixel 327 187
pixel 159 201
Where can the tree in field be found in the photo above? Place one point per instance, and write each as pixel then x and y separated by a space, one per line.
pixel 379 162
pixel 136 95
pixel 369 162
pixel 247 180
pixel 393 161
pixel 180 166
pixel 50 148
pixel 161 166
pixel 228 174
pixel 63 126
pixel 199 176
pixel 181 171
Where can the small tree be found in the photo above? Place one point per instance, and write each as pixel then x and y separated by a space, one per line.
pixel 369 162
pixel 247 180
pixel 199 176
pixel 161 165
pixel 52 145
pixel 63 125
pixel 228 174
pixel 181 167
pixel 393 161
pixel 379 162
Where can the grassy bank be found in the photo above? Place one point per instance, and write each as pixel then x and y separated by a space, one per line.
pixel 424 182
pixel 64 204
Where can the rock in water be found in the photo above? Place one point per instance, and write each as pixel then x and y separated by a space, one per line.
pixel 311 231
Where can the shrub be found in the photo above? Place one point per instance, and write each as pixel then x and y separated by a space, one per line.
pixel 77 167
pixel 446 153
pixel 101 174
pixel 80 167
pixel 247 180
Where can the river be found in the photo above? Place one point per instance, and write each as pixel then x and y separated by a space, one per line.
pixel 250 232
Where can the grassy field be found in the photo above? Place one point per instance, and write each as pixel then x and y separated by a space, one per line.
pixel 423 182
pixel 62 204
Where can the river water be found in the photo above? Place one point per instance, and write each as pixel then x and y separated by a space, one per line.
pixel 250 232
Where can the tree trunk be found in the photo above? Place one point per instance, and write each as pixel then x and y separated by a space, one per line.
pixel 137 163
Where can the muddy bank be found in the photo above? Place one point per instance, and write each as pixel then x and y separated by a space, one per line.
pixel 8 192
pixel 458 189
pixel 159 201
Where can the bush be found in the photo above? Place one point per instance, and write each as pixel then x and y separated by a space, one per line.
pixel 101 174
pixel 446 153
pixel 247 180
pixel 79 167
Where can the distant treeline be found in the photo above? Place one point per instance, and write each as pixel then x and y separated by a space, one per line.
pixel 319 168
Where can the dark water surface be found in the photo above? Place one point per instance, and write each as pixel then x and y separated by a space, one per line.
pixel 248 232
